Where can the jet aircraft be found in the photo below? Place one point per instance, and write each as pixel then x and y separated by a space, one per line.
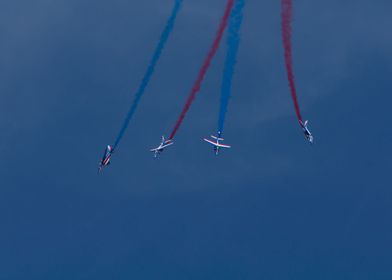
pixel 162 146
pixel 106 158
pixel 307 133
pixel 217 145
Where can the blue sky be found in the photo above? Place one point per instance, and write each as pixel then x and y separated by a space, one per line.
pixel 273 207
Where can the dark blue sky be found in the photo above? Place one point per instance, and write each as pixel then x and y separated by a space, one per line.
pixel 273 207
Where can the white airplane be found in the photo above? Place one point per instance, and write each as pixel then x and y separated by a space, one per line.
pixel 105 161
pixel 307 133
pixel 216 143
pixel 162 146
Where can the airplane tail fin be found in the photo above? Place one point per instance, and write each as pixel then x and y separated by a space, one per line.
pixel 304 124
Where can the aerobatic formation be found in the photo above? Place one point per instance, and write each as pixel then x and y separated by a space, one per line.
pixel 231 20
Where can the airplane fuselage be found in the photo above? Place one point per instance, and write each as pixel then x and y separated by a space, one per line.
pixel 106 158
pixel 308 135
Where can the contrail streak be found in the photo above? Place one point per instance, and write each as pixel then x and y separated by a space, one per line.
pixel 150 70
pixel 287 16
pixel 204 68
pixel 233 42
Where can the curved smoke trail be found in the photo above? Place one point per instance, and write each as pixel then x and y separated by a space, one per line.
pixel 233 42
pixel 287 16
pixel 150 70
pixel 205 66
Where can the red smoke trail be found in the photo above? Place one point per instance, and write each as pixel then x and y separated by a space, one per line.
pixel 287 16
pixel 204 68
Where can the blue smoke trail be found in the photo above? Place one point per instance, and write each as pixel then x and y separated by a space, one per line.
pixel 150 70
pixel 233 42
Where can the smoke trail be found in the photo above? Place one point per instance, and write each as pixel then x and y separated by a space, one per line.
pixel 287 16
pixel 205 66
pixel 233 42
pixel 150 70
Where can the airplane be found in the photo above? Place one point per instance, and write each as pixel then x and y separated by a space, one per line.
pixel 307 133
pixel 162 146
pixel 106 158
pixel 216 143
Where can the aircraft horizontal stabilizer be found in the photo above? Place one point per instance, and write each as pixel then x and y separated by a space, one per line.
pixel 217 138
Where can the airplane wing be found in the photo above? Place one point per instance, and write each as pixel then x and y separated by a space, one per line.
pixel 223 146
pixel 154 150
pixel 211 142
pixel 216 144
pixel 167 145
